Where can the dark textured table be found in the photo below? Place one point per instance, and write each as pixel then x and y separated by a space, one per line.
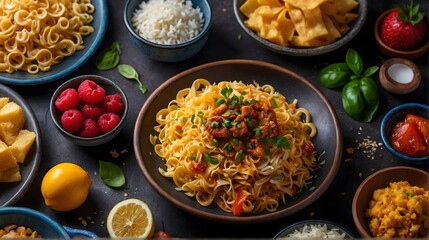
pixel 226 41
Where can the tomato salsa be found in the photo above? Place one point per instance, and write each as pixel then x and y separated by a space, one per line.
pixel 410 137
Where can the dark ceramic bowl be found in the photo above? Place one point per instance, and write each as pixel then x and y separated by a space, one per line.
pixel 38 221
pixel 291 85
pixel 12 192
pixel 169 53
pixel 318 222
pixel 379 180
pixel 70 63
pixel 111 88
pixel 355 27
pixel 396 115
pixel 393 53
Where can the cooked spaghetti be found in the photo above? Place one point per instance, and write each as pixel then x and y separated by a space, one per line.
pixel 239 145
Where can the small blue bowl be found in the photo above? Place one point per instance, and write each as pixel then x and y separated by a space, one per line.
pixel 283 234
pixel 169 53
pixel 37 221
pixel 111 88
pixel 396 115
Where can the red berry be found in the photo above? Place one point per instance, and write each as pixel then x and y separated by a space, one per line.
pixel 401 35
pixel 72 120
pixel 92 111
pixel 108 121
pixel 113 103
pixel 68 99
pixel 91 92
pixel 89 128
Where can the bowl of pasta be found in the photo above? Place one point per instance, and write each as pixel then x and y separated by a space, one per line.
pixel 301 28
pixel 57 44
pixel 228 141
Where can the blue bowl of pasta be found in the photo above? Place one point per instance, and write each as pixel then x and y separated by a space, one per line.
pixel 39 51
pixel 218 138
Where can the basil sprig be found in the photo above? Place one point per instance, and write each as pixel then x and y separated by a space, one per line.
pixel 109 57
pixel 111 174
pixel 360 95
pixel 129 72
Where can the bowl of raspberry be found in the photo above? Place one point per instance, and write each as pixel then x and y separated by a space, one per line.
pixel 401 32
pixel 89 110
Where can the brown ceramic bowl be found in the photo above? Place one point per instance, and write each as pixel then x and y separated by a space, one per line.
pixel 390 52
pixel 378 180
pixel 291 85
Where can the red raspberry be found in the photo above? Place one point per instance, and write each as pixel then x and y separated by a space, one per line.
pixel 92 111
pixel 113 103
pixel 91 92
pixel 89 128
pixel 68 99
pixel 108 121
pixel 72 120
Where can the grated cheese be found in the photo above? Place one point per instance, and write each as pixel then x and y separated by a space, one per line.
pixel 315 232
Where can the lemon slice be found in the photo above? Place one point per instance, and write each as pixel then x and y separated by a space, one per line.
pixel 130 218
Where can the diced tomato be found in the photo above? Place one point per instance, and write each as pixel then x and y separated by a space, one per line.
pixel 421 123
pixel 237 206
pixel 308 147
pixel 198 167
pixel 162 235
pixel 407 140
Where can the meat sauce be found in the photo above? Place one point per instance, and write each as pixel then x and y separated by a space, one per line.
pixel 243 128
pixel 410 137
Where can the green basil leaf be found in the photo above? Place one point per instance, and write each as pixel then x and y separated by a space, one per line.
pixel 335 75
pixel 353 102
pixel 130 73
pixel 111 174
pixel 370 71
pixel 354 61
pixel 109 57
pixel 369 91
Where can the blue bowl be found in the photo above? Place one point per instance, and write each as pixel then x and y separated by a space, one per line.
pixel 299 225
pixel 37 221
pixel 110 88
pixel 70 63
pixel 169 53
pixel 396 115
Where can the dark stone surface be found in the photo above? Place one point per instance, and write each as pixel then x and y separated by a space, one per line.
pixel 226 41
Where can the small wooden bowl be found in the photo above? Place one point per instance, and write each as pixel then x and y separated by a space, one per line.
pixel 399 84
pixel 390 52
pixel 378 180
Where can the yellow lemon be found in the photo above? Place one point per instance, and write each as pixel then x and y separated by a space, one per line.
pixel 130 218
pixel 65 186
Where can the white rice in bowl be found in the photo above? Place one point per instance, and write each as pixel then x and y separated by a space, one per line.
pixel 168 22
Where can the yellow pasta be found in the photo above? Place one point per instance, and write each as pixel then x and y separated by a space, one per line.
pixel 241 146
pixel 37 34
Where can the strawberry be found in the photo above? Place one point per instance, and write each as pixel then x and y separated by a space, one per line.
pixel 404 28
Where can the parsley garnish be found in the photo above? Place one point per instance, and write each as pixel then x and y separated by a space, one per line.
pixel 210 159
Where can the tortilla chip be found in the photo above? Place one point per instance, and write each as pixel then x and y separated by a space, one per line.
pixel 308 23
pixel 305 4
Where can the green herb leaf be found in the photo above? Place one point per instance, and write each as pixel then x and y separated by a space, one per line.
pixel 354 61
pixel 226 92
pixel 129 72
pixel 111 174
pixel 109 57
pixel 210 159
pixel 409 194
pixel 370 71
